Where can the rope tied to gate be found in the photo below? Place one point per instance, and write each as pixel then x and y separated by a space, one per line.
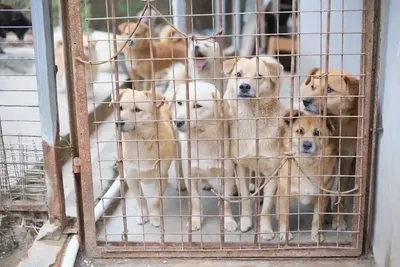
pixel 149 5
pixel 289 156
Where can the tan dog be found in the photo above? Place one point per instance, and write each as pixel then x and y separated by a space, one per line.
pixel 313 151
pixel 137 115
pixel 342 100
pixel 91 71
pixel 140 50
pixel 169 33
pixel 254 93
pixel 204 111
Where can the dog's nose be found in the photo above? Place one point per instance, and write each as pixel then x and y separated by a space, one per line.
pixel 307 145
pixel 196 48
pixel 245 87
pixel 120 123
pixel 179 124
pixel 307 101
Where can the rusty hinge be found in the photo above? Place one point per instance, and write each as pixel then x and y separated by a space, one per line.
pixel 76 165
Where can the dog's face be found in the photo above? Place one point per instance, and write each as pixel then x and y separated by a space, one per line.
pixel 141 32
pixel 89 48
pixel 203 53
pixel 21 23
pixel 308 133
pixel 201 106
pixel 341 91
pixel 137 111
pixel 247 81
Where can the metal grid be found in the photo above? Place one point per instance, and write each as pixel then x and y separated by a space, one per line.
pixel 22 185
pixel 273 161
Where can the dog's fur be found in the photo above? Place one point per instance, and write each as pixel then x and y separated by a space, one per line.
pixel 247 104
pixel 137 113
pixel 205 106
pixel 91 71
pixel 13 21
pixel 341 101
pixel 140 49
pixel 313 150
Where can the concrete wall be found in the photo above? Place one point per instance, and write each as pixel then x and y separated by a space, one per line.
pixel 311 42
pixel 386 241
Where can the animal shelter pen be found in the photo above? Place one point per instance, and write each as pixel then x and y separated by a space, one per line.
pixel 117 234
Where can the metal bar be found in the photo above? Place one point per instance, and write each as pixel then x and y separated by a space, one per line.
pixel 69 82
pixel 48 108
pixel 82 125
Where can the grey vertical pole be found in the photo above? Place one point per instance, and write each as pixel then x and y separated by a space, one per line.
pixel 237 22
pixel 178 10
pixel 217 11
pixel 47 93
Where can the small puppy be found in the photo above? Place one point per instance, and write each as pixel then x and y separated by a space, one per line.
pixel 147 157
pixel 141 49
pixel 205 123
pixel 168 33
pixel 91 71
pixel 314 151
pixel 253 93
pixel 342 101
pixel 12 21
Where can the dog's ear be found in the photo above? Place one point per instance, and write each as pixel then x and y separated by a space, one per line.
pixel 310 74
pixel 353 84
pixel 122 26
pixel 121 92
pixel 331 123
pixel 295 115
pixel 274 67
pixel 159 98
pixel 229 65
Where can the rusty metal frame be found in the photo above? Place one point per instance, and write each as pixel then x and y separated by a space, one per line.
pixel 213 250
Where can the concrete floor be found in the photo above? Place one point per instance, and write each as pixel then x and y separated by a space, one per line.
pixel 84 262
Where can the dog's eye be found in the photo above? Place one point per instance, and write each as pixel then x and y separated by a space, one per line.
pixel 137 109
pixel 316 132
pixel 300 131
pixel 179 103
pixel 197 106
pixel 238 74
pixel 330 90
pixel 312 87
pixel 120 108
pixel 130 42
pixel 259 76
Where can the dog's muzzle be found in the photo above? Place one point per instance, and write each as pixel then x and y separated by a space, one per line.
pixel 307 147
pixel 245 91
pixel 125 127
pixel 309 105
pixel 180 125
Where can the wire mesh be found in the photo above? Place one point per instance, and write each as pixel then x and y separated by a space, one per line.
pixel 254 107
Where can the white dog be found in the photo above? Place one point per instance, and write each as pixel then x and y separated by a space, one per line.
pixel 205 107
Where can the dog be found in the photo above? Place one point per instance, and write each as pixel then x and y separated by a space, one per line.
pixel 140 50
pixel 204 110
pixel 91 71
pixel 342 100
pixel 253 93
pixel 12 21
pixel 137 112
pixel 314 152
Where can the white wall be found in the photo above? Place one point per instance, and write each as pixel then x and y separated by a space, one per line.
pixel 310 43
pixel 386 241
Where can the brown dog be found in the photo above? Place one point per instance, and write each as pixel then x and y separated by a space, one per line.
pixel 313 150
pixel 146 57
pixel 342 100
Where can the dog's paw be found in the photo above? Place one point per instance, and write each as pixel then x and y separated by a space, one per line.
pixel 141 220
pixel 155 221
pixel 339 225
pixel 283 236
pixel 196 224
pixel 245 224
pixel 267 235
pixel 316 235
pixel 230 224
